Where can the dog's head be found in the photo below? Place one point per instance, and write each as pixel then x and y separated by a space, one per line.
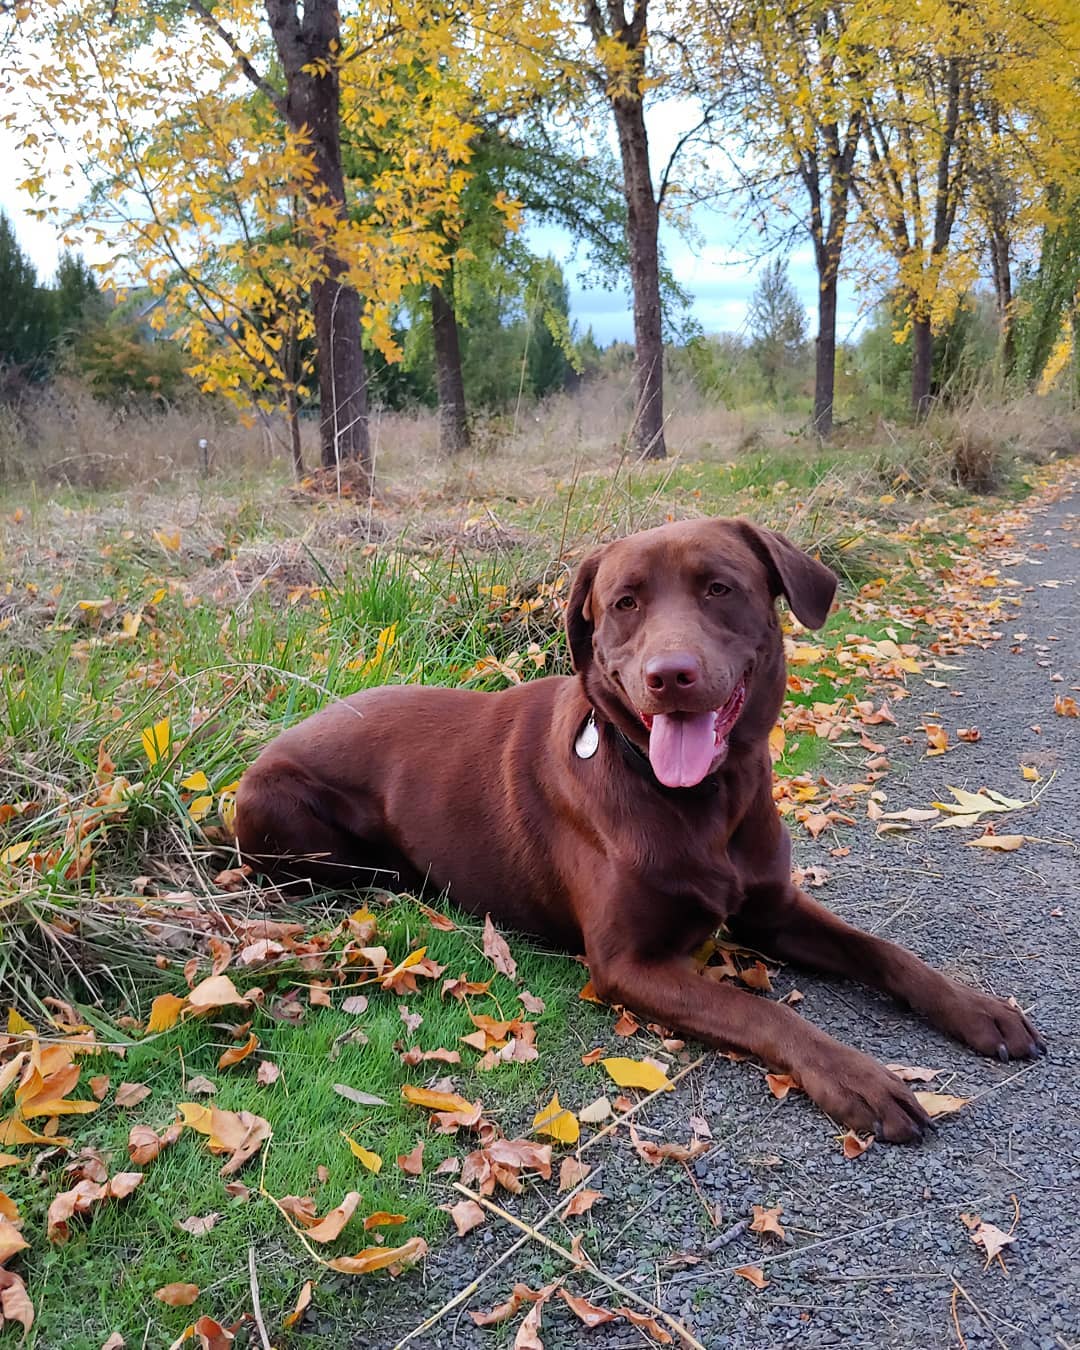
pixel 675 632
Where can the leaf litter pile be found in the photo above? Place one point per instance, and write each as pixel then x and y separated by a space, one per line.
pixel 432 1126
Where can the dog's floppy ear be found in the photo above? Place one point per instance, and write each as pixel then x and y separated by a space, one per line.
pixel 579 619
pixel 808 584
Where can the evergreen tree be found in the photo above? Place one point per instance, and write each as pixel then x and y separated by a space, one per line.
pixel 777 323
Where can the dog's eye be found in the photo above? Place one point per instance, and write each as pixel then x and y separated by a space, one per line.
pixel 719 588
pixel 626 602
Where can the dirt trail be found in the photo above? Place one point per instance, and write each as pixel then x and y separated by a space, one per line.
pixel 876 1253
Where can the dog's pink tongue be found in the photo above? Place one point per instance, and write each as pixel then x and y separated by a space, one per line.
pixel 682 747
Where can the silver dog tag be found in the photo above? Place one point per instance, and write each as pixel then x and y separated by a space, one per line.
pixel 588 740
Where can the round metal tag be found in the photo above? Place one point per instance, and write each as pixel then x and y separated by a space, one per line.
pixel 588 741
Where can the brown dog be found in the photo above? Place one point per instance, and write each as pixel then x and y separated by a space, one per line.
pixel 625 812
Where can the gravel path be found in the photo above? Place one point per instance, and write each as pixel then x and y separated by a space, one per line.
pixel 876 1253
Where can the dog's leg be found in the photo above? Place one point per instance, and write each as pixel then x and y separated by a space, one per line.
pixel 849 1086
pixel 292 827
pixel 785 921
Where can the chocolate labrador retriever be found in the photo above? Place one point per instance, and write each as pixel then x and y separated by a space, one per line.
pixel 625 811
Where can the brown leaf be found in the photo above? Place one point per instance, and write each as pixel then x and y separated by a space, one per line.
pixel 767 1221
pixel 940 1103
pixel 144 1143
pixel 753 1274
pixel 582 1203
pixel 913 1074
pixel 496 949
pixel 303 1301
pixel 329 1227
pixel 627 1024
pixel 571 1172
pixel 593 1056
pixel 115 1342
pixel 201 1085
pixel 212 1335
pixel 757 977
pixel 587 1312
pixel 355 1004
pixel 646 1323
pixel 199 1226
pixel 1066 706
pixel 11 1240
pixel 267 1073
pixel 79 1200
pixel 131 1094
pixel 239 1133
pixel 502 1312
pixel 177 1295
pixel 121 1185
pixel 530 1002
pixel 467 1215
pixel 15 1302
pixel 412 1163
pixel 655 1154
pixel 528 1336
pixel 378 1258
pixel 969 734
pixel 236 1053
pixel 381 1219
pixel 99 1086
pixel 988 1236
pixel 462 987
pixel 853 1146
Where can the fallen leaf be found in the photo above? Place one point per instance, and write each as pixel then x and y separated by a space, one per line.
pixel 587 1312
pixel 528 1336
pixel 780 1084
pixel 595 1112
pixel 15 1301
pixel 355 1095
pixel 581 1203
pixel 236 1053
pixel 496 949
pixel 988 1236
pixel 913 1074
pixel 131 1094
pixel 627 1024
pixel 201 1085
pixel 1066 706
pixel 381 1219
pixel 412 1163
pixel 199 1226
pixel 1030 773
pixel 11 1240
pixel 502 1312
pixel 355 1004
pixel 212 1335
pixel 165 1012
pixel 937 739
pixel 115 1342
pixel 753 1274
pixel 530 1002
pixel 216 991
pixel 267 1073
pixel 767 1221
pixel 637 1073
pixel 371 1160
pixel 654 1154
pixel 144 1142
pixel 646 1323
pixel 239 1133
pixel 435 1101
pixel 571 1173
pixel 378 1258
pixel 330 1226
pixel 999 843
pixel 303 1302
pixel 940 1103
pixel 853 1146
pixel 467 1215
pixel 177 1295
pixel 156 739
pixel 556 1122
pixel 969 734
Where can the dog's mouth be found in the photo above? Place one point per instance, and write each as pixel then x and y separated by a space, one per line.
pixel 685 746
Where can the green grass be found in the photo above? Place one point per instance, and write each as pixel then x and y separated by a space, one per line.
pixel 230 661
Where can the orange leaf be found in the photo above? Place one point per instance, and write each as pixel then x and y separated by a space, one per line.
pixel 467 1215
pixel 238 1052
pixel 435 1101
pixel 165 1012
pixel 767 1221
pixel 302 1303
pixel 131 1094
pixel 753 1274
pixel 15 1301
pixel 177 1295
pixel 412 1163
pixel 853 1146
pixel 378 1258
pixel 329 1227
pixel 587 1312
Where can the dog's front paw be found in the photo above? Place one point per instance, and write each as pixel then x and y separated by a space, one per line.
pixel 858 1092
pixel 989 1025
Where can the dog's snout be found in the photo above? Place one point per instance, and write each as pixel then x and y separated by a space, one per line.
pixel 671 672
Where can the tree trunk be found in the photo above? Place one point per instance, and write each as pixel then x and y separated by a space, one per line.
pixel 921 367
pixel 309 48
pixel 1001 266
pixel 292 414
pixel 453 419
pixel 642 237
pixel 825 362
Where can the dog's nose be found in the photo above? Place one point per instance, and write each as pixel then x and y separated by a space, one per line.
pixel 671 672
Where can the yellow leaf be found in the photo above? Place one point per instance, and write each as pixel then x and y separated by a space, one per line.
pixel 17 1025
pixel 302 1302
pixel 169 540
pixel 637 1073
pixel 371 1161
pixel 554 1120
pixel 165 1012
pixel 196 1117
pixel 1030 773
pixel 940 1103
pixel 155 740
pixel 435 1101
pixel 196 782
pixel 14 852
pixel 378 1258
pixel 14 1131
pixel 159 595
pixel 199 807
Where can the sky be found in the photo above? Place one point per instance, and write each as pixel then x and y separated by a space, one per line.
pixel 717 267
